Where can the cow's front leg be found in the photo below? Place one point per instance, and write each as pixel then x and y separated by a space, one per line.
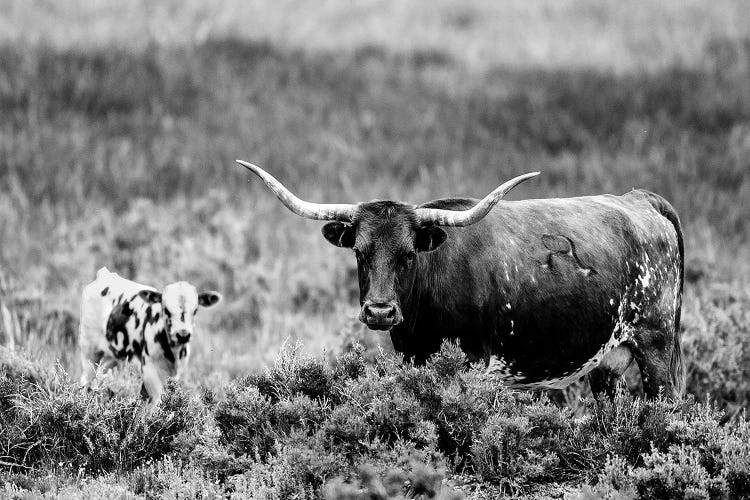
pixel 181 364
pixel 152 383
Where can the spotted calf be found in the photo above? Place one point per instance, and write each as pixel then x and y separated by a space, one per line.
pixel 122 320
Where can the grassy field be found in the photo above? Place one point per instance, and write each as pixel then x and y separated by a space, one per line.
pixel 119 125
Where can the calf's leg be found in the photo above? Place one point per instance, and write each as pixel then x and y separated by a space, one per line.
pixel 152 382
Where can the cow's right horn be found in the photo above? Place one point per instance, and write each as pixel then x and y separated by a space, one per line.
pixel 317 211
pixel 460 218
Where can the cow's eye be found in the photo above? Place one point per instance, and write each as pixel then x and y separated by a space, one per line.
pixel 408 258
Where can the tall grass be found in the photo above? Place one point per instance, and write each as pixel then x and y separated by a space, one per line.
pixel 103 126
pixel 583 33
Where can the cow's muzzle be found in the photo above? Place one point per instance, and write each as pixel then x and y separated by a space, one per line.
pixel 380 315
pixel 183 337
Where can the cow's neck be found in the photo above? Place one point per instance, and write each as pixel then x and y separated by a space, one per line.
pixel 441 304
pixel 408 337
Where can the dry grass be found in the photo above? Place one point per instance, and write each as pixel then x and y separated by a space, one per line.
pixel 115 154
pixel 553 34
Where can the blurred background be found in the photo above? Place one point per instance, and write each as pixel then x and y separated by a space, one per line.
pixel 120 123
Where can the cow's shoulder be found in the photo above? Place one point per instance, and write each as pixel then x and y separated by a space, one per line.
pixel 121 314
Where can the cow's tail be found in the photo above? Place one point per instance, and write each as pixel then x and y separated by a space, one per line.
pixel 676 365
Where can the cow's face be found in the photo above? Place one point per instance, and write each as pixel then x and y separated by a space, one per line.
pixel 180 302
pixel 386 237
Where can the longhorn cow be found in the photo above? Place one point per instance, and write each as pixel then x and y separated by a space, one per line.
pixel 543 291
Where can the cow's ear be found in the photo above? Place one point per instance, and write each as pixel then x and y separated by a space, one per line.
pixel 151 296
pixel 429 238
pixel 340 234
pixel 208 299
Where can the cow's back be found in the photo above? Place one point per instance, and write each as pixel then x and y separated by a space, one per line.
pixel 97 302
pixel 546 282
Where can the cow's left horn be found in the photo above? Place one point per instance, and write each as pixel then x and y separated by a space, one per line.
pixel 468 217
pixel 317 211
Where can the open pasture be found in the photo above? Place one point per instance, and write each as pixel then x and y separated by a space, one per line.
pixel 119 126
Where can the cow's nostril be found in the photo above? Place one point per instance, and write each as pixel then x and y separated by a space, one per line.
pixel 380 313
pixel 183 336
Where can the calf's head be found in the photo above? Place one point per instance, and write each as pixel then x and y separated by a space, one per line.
pixel 180 302
pixel 386 237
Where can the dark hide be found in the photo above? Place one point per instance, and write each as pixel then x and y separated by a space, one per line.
pixel 126 341
pixel 117 330
pixel 162 339
pixel 542 285
pixel 153 316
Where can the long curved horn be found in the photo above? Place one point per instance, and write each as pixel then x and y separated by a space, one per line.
pixel 317 211
pixel 468 217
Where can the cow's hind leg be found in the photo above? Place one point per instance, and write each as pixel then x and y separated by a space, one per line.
pixel 659 358
pixel 88 367
pixel 603 379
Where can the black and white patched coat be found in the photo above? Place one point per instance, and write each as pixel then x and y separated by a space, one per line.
pixel 122 320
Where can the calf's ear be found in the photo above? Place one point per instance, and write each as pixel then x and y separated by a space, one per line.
pixel 339 234
pixel 151 296
pixel 208 299
pixel 429 238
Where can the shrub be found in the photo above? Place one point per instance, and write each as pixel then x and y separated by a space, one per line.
pixel 297 468
pixel 294 374
pixel 419 483
pixel 350 364
pixel 695 457
pixel 298 413
pixel 716 347
pixel 52 421
pixel 676 474
pixel 288 431
pixel 305 465
pixel 627 426
pixel 733 449
pixel 462 413
pixel 392 413
pixel 345 429
pixel 450 361
pixel 244 418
